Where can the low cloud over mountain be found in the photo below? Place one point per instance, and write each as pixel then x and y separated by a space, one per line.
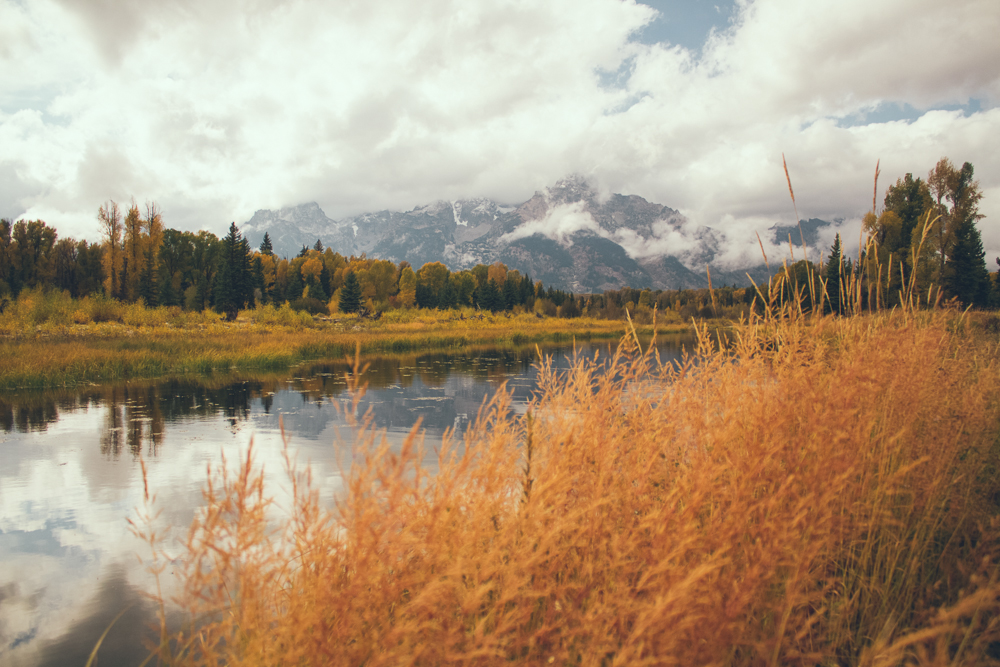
pixel 569 236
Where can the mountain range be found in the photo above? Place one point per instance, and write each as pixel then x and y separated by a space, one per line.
pixel 569 236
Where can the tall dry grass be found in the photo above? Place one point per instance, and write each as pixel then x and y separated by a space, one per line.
pixel 817 492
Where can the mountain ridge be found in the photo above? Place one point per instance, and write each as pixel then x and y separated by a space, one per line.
pixel 568 236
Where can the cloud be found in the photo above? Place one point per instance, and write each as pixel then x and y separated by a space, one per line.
pixel 559 223
pixel 216 109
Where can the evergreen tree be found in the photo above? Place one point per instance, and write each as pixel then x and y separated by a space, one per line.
pixel 490 297
pixel 316 290
pixel 295 284
pixel 447 298
pixel 265 245
pixel 234 287
pixel 527 290
pixel 167 295
pixel 511 293
pixel 965 271
pixel 148 288
pixel 319 246
pixel 203 291
pixel 425 296
pixel 6 257
pixel 832 277
pixel 350 294
pixel 246 275
pixel 90 271
pixel 258 279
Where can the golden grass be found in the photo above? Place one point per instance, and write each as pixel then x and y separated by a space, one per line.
pixel 814 494
pixel 146 343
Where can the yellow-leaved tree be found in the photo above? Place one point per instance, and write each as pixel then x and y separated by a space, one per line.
pixel 110 218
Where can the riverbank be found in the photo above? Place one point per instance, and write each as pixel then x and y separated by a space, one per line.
pixel 154 344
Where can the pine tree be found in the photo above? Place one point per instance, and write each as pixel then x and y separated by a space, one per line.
pixel 265 245
pixel 324 280
pixel 511 293
pixel 234 286
pixel 447 298
pixel 148 288
pixel 350 295
pixel 527 290
pixel 258 279
pixel 246 276
pixel 318 247
pixel 490 297
pixel 295 284
pixel 966 276
pixel 167 296
pixel 832 277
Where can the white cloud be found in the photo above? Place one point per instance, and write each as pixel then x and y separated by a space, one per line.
pixel 559 223
pixel 216 109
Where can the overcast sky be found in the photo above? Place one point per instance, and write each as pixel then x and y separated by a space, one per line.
pixel 216 108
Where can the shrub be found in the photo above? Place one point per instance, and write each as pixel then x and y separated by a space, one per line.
pixel 103 308
pixel 310 305
pixel 281 316
pixel 138 315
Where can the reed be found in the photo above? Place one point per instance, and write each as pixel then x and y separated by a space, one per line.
pixel 53 355
pixel 820 491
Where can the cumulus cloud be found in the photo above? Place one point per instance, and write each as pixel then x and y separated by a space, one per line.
pixel 218 108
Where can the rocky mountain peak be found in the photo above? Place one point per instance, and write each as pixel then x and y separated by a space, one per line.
pixel 567 235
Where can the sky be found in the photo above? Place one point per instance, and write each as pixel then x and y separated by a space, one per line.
pixel 216 108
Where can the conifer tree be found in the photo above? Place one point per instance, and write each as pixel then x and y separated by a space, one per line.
pixel 6 257
pixel 447 298
pixel 235 283
pixel 295 283
pixel 490 297
pixel 832 277
pixel 511 293
pixel 167 295
pixel 350 295
pixel 265 245
pixel 966 276
pixel 258 279
pixel 148 288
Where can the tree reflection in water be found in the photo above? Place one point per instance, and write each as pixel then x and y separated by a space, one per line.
pixel 137 411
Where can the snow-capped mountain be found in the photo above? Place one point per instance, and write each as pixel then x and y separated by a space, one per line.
pixel 569 236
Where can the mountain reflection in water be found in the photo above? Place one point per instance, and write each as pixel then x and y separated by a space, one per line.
pixel 69 472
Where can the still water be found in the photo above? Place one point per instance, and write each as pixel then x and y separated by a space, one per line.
pixel 70 474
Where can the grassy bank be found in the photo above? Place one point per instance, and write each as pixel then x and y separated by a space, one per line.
pixel 817 494
pixel 135 342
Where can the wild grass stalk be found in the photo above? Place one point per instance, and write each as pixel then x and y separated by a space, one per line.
pixel 821 494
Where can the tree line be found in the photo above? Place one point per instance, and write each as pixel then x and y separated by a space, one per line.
pixel 139 259
pixel 925 235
